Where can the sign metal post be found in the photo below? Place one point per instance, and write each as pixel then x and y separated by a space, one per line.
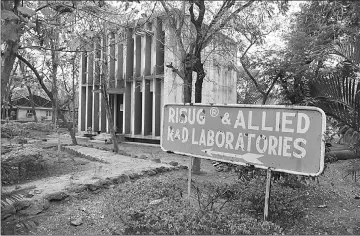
pixel 267 194
pixel 189 179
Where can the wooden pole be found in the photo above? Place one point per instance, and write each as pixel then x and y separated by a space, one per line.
pixel 189 180
pixel 267 194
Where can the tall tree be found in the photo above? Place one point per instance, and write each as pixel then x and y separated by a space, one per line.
pixel 15 21
pixel 207 21
pixel 255 54
pixel 321 33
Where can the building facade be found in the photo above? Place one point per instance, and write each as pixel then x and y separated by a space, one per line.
pixel 139 84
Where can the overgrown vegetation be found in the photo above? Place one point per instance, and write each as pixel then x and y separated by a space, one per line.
pixel 216 208
pixel 20 164
pixel 12 129
pixel 18 225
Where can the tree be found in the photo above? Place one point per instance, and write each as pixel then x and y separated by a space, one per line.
pixel 61 27
pixel 50 95
pixel 109 110
pixel 27 80
pixel 208 20
pixel 8 91
pixel 321 32
pixel 252 30
pixel 16 20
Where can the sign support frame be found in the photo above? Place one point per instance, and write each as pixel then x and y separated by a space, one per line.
pixel 267 194
pixel 189 179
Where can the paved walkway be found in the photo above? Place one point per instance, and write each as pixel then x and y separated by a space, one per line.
pixel 105 169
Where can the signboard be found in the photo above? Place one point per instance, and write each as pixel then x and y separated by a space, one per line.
pixel 283 138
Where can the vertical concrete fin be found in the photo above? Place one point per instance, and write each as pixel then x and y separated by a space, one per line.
pixel 156 107
pixel 111 59
pixel 127 108
pixel 137 58
pixel 82 93
pixel 129 54
pixel 160 40
pixel 146 108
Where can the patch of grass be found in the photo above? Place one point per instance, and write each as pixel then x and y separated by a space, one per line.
pixel 160 206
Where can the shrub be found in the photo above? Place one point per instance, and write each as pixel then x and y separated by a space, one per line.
pixel 20 164
pixel 160 207
pixel 12 129
pixel 40 126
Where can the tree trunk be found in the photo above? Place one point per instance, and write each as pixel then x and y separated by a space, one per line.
pixel 69 128
pixel 55 64
pixel 11 45
pixel 264 99
pixel 73 93
pixel 9 60
pixel 31 96
pixel 198 99
pixel 110 120
pixel 200 75
pixel 187 86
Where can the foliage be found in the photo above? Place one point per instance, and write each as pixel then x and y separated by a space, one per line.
pixel 259 58
pixel 171 214
pixel 319 40
pixel 40 126
pixel 21 163
pixel 12 129
pixel 337 94
pixel 332 129
pixel 353 169
pixel 10 204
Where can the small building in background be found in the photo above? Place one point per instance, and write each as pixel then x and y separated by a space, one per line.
pixel 23 109
pixel 139 83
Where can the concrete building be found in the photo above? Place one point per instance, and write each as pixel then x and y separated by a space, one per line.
pixel 139 84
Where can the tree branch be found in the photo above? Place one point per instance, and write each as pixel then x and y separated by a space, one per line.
pixel 175 28
pixel 226 5
pixel 40 8
pixel 275 79
pixel 201 6
pixel 252 78
pixel 175 70
pixel 62 49
pixel 207 38
pixel 41 82
pixel 247 49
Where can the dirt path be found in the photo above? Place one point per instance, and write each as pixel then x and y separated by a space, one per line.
pixel 108 167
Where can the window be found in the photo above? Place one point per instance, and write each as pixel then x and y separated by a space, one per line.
pixel 29 114
pixel 48 113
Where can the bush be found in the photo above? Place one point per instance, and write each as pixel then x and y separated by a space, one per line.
pixel 20 164
pixel 160 207
pixel 12 129
pixel 39 126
